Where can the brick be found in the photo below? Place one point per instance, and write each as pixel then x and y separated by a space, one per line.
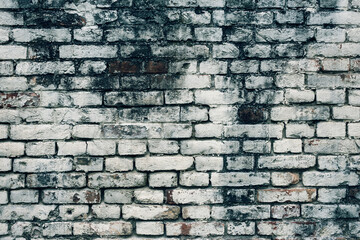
pixel 213 67
pixel 328 195
pixel 299 131
pixel 163 179
pixel 193 178
pixel 333 18
pixel 287 161
pixel 117 228
pixel 133 99
pixel 223 114
pixel 118 196
pixel 4 197
pixel 86 131
pixel 247 66
pixel 287 145
pixel 182 82
pixel 337 129
pixel 208 130
pixel 56 180
pixel 150 228
pixel 226 50
pixel 346 112
pixel 284 178
pixel 119 164
pixel 179 33
pixel 163 146
pixel 254 82
pixel 42 165
pixel 101 147
pixel 9 4
pixel 12 149
pixel 104 211
pixel 6 68
pixel 286 195
pixel 57 229
pixel 29 132
pixel 26 212
pixel 285 211
pixel 131 147
pixel 209 147
pixel 330 146
pixel 11 19
pixel 156 67
pixel 125 180
pixel 71 148
pixel 314 178
pixel 182 67
pixel 242 18
pixel 254 131
pixel 194 196
pixel 208 34
pixel 284 35
pixel 196 212
pixel 280 228
pixel 329 211
pixel 180 52
pixel 49 35
pixel 240 163
pixel 241 212
pixel 149 196
pixel 334 4
pixel 327 96
pixel 241 228
pixel 24 196
pixel 150 212
pixel 209 163
pixel 5 164
pixel 78 51
pixel 42 68
pixel 235 179
pixel 13 84
pixel 215 97
pixel 71 196
pixel 72 212
pixel 195 229
pixel 40 148
pixel 301 113
pixel 290 80
pixel 88 35
pixel 289 17
pixel 299 96
pixel 12 181
pixel 163 163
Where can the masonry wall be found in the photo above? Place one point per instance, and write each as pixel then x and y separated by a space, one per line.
pixel 179 119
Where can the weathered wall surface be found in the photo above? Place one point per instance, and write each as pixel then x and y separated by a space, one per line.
pixel 179 119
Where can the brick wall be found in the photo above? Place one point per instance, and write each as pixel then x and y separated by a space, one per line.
pixel 179 119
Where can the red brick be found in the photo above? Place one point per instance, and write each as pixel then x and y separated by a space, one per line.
pixel 156 67
pixel 123 67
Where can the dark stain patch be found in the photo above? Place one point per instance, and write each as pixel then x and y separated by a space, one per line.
pixel 169 197
pixel 123 67
pixel 236 196
pixel 124 131
pixel 76 198
pixel 185 229
pixel 92 197
pixel 251 114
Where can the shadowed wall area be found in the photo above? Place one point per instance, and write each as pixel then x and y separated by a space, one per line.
pixel 179 119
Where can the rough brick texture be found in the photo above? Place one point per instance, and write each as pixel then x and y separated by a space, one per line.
pixel 180 119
